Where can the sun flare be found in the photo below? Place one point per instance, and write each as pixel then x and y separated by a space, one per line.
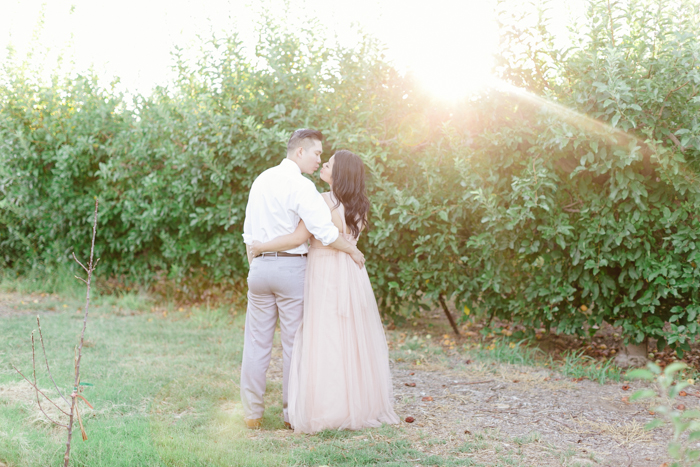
pixel 447 46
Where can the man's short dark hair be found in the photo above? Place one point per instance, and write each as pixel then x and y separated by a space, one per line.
pixel 298 137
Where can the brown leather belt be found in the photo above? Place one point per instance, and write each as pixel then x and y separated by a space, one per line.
pixel 281 254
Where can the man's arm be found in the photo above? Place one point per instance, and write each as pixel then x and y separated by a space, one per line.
pixel 347 247
pixel 283 242
pixel 249 254
pixel 300 235
pixel 313 210
pixel 315 213
pixel 247 232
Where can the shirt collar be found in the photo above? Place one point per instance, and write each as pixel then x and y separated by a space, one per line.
pixel 290 165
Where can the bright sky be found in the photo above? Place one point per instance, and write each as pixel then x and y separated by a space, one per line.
pixel 447 44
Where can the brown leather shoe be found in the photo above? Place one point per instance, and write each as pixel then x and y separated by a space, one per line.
pixel 288 426
pixel 253 423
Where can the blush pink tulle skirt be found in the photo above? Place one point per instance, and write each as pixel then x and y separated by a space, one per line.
pixel 339 375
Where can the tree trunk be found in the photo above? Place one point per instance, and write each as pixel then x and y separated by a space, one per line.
pixel 448 314
pixel 633 355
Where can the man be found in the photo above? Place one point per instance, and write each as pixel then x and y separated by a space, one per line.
pixel 278 199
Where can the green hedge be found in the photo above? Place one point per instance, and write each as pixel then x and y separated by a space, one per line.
pixel 526 205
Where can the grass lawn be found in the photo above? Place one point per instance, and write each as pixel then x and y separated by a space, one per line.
pixel 163 381
pixel 164 386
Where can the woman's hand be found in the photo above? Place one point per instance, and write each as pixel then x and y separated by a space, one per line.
pixel 255 249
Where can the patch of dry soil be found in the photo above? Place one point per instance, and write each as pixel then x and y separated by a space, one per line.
pixel 28 304
pixel 593 420
pixel 549 420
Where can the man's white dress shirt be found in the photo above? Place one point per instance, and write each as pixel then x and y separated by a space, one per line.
pixel 279 197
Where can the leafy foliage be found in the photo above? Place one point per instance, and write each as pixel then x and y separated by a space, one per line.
pixel 587 200
pixel 565 202
pixel 173 169
pixel 573 207
pixel 681 421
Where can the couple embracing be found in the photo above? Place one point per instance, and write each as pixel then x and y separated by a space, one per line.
pixel 336 364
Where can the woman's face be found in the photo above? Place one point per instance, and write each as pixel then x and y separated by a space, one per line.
pixel 327 171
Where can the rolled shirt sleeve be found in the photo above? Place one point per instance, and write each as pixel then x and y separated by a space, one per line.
pixel 247 230
pixel 280 197
pixel 314 211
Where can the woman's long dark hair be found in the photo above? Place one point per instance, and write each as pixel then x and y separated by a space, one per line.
pixel 349 188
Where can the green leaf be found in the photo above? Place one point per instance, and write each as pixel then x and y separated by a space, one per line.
pixel 642 394
pixel 615 119
pixel 654 424
pixel 640 374
pixel 674 368
pixel 674 450
pixel 675 390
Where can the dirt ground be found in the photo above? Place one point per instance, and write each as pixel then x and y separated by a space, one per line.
pixel 533 414
pixel 16 304
pixel 552 419
pixel 592 420
pixel 501 409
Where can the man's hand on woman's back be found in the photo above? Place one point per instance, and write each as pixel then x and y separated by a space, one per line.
pixel 358 257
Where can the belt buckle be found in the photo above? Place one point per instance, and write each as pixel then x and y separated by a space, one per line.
pixel 269 253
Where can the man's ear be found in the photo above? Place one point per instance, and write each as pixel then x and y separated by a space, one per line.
pixel 297 152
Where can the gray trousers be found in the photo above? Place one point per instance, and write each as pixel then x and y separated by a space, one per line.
pixel 275 289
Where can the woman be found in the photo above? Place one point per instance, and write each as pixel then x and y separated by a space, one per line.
pixel 339 375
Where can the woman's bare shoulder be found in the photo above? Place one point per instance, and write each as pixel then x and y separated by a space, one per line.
pixel 328 199
pixel 335 213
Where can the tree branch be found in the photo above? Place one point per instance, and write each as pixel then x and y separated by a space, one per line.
pixel 441 299
pixel 41 339
pixel 675 140
pixel 663 105
pixel 39 390
pixel 612 32
pixel 74 394
pixel 81 264
pixel 572 204
pixel 80 279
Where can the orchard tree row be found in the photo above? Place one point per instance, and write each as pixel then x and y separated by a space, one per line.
pixel 564 195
